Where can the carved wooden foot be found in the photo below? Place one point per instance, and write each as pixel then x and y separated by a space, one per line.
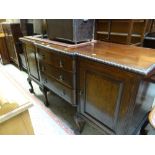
pixel 45 90
pixel 30 83
pixel 80 124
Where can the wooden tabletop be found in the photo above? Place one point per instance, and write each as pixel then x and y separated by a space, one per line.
pixel 131 58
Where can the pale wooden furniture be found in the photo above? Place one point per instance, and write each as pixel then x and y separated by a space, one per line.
pixel 15 120
pixel 14 115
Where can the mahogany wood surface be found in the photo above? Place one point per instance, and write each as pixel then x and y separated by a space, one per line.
pixel 3 50
pixel 126 56
pixel 107 81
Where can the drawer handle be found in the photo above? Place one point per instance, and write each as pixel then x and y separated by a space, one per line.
pixel 43 56
pixel 61 77
pixel 43 68
pixel 64 92
pixel 45 80
pixel 61 64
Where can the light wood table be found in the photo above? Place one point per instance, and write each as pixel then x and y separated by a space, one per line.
pixel 15 120
pixel 14 115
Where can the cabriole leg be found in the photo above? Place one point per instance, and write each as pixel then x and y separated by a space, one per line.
pixel 30 83
pixel 45 90
pixel 80 123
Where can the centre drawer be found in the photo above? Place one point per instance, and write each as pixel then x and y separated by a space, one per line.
pixel 56 59
pixel 61 90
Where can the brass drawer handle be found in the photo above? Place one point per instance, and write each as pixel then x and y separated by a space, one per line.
pixel 42 56
pixel 61 64
pixel 61 77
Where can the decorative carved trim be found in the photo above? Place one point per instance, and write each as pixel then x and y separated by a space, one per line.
pixel 140 71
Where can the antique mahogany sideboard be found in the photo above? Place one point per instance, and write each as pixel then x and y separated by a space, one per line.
pixel 109 83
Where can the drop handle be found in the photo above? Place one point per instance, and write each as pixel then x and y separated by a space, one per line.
pixel 42 56
pixel 61 77
pixel 61 64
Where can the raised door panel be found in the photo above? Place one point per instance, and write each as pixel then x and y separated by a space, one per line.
pixel 32 61
pixel 106 96
pixel 102 97
pixel 10 43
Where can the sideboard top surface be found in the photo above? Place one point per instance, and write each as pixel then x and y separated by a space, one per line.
pixel 131 58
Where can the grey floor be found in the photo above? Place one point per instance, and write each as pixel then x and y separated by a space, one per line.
pixel 65 112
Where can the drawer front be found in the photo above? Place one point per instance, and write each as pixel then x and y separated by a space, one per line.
pixel 62 91
pixel 56 59
pixel 66 62
pixel 57 73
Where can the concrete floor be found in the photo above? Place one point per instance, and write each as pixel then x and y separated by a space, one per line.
pixel 63 110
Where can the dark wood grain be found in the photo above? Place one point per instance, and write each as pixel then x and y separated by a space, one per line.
pixel 110 83
pixel 3 50
pixel 12 33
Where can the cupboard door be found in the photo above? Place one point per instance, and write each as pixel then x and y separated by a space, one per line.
pixel 32 61
pixel 10 43
pixel 105 95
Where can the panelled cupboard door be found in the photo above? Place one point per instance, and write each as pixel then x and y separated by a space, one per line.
pixel 32 61
pixel 10 43
pixel 105 95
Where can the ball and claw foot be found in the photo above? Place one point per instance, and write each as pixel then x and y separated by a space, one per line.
pixel 30 83
pixel 31 90
pixel 80 123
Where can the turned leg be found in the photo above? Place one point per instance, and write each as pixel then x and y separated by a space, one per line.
pixel 45 90
pixel 30 83
pixel 80 123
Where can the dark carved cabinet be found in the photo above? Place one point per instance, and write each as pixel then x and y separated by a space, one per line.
pixel 4 55
pixel 30 54
pixel 12 33
pixel 110 87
